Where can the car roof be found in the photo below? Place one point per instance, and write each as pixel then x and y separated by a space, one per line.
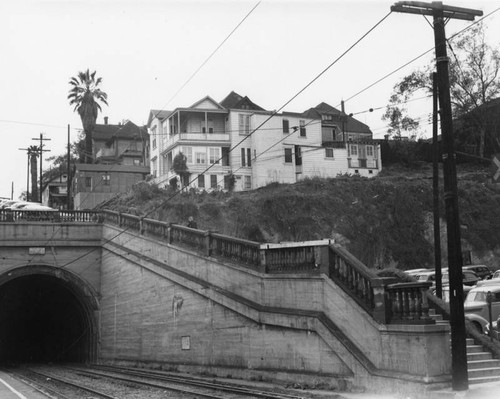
pixel 486 288
pixel 471 267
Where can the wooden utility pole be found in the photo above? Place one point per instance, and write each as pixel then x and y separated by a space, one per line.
pixel 439 12
pixel 68 171
pixel 435 189
pixel 41 150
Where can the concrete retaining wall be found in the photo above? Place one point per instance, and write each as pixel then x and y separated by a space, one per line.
pixel 173 306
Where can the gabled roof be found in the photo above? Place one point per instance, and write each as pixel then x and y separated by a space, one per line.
pixel 159 114
pixel 234 101
pixel 352 125
pixel 129 130
pixel 207 102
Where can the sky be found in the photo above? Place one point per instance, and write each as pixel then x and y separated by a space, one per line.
pixel 146 52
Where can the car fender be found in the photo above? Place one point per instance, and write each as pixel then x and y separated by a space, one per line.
pixel 474 317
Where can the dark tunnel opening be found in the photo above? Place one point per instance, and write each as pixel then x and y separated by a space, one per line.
pixel 42 320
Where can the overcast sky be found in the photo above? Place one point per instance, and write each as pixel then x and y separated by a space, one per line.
pixel 146 50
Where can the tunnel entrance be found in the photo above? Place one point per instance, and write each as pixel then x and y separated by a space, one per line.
pixel 43 319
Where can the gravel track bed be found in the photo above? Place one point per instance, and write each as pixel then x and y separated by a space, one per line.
pixel 117 389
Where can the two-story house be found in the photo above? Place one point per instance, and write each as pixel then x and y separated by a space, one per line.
pixel 121 159
pixel 238 137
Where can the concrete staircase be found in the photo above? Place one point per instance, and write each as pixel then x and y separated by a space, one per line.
pixel 480 363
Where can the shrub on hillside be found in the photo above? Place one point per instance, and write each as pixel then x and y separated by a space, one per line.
pixel 144 191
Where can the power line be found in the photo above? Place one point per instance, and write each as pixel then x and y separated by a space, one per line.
pixel 274 113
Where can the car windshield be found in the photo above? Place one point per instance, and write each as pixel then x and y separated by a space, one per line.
pixel 479 296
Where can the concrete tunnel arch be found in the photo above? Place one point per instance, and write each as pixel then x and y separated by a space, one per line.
pixel 47 314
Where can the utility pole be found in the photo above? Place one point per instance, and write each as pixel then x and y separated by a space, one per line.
pixel 28 152
pixel 435 188
pixel 68 180
pixel 439 12
pixel 41 150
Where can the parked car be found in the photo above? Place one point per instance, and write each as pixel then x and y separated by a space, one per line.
pixel 468 278
pixel 429 276
pixel 476 305
pixel 414 272
pixel 7 204
pixel 445 292
pixel 496 275
pixel 482 271
pixel 33 207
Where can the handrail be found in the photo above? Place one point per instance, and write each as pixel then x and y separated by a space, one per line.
pixel 384 299
pixel 55 216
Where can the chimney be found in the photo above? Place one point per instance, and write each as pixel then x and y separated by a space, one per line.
pixel 105 120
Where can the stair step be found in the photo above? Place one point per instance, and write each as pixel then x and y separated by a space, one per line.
pixel 483 364
pixel 481 380
pixel 478 356
pixel 469 341
pixel 474 348
pixel 437 317
pixel 485 372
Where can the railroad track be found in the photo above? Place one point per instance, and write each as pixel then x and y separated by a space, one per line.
pixel 53 390
pixel 118 382
pixel 178 383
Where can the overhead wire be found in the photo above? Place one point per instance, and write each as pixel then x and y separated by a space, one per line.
pixel 194 73
pixel 274 113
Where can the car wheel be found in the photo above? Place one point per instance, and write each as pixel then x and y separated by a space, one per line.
pixel 478 327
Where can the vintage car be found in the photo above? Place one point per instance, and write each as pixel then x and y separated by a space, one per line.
pixel 476 305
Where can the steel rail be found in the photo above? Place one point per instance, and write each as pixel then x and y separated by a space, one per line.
pixel 38 386
pixel 190 381
pixel 72 384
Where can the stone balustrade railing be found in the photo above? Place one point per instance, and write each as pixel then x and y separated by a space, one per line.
pixel 8 215
pixel 383 298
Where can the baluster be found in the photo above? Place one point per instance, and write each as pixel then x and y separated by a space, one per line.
pixel 406 304
pixel 395 296
pixel 412 304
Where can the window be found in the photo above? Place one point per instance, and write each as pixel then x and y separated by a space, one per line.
pixel 288 155
pixel 249 157
pixel 302 129
pixel 201 181
pixel 329 153
pixel 326 117
pixel 213 181
pixel 244 121
pixel 153 133
pixel 369 150
pixel 248 182
pixel 200 158
pixel 354 149
pixel 286 126
pixel 88 182
pixel 214 155
pixel 137 162
pixel 243 163
pixel 188 152
pixel 106 179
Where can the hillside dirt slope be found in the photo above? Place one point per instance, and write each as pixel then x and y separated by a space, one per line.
pixel 386 221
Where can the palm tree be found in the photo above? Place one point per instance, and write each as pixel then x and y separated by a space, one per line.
pixel 33 152
pixel 85 95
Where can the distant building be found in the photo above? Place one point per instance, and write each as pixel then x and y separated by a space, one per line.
pixel 121 159
pixel 95 183
pixel 238 137
pixel 55 192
